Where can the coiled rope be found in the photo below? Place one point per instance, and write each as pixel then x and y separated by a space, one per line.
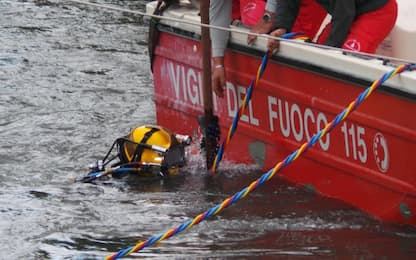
pixel 268 175
pixel 247 98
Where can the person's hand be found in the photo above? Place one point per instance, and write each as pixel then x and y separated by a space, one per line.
pixel 273 44
pixel 264 25
pixel 218 80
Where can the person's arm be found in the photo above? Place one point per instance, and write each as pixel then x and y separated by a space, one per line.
pixel 286 13
pixel 271 6
pixel 343 15
pixel 264 24
pixel 219 15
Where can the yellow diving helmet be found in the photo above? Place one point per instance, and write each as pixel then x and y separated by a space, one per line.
pixel 152 145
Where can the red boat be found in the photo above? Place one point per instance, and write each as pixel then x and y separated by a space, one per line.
pixel 366 161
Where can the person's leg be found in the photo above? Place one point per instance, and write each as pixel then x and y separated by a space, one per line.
pixel 369 29
pixel 235 13
pixel 310 18
pixel 251 11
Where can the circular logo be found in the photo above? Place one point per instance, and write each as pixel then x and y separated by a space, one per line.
pixel 352 44
pixel 381 152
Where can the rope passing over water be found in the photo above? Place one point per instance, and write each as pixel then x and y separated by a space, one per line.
pixel 268 175
pixel 247 98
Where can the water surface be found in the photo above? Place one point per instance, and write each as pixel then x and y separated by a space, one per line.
pixel 73 79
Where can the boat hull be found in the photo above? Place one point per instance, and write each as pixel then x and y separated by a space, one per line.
pixel 365 161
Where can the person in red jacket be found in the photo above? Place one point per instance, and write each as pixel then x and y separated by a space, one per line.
pixel 308 20
pixel 357 25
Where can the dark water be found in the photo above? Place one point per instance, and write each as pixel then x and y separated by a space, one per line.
pixel 74 78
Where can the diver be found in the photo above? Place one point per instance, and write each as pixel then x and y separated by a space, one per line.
pixel 148 151
pixel 151 151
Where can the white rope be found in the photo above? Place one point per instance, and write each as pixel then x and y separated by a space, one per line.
pixel 267 36
pixel 173 19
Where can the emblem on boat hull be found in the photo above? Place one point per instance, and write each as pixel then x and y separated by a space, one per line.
pixel 381 152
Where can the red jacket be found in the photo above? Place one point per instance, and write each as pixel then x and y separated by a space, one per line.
pixel 343 14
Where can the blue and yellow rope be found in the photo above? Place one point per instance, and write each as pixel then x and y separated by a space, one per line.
pixel 268 175
pixel 247 98
pixel 236 118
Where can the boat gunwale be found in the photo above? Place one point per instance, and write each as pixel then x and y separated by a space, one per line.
pixel 357 68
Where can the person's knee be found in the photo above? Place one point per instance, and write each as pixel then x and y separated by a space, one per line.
pixel 251 11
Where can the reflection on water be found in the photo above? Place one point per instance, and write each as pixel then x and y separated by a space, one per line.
pixel 74 78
